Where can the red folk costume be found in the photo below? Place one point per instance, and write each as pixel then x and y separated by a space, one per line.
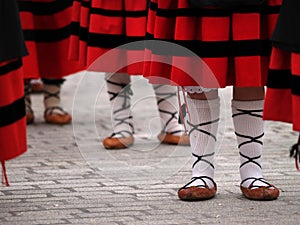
pixel 99 26
pixel 47 29
pixel 103 25
pixel 233 41
pixel 12 107
pixel 47 26
pixel 226 40
pixel 283 86
pixel 283 92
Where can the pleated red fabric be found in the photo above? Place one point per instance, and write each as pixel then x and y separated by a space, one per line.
pixel 12 104
pixel 12 112
pixel 234 44
pixel 102 25
pixel 282 101
pixel 47 29
pixel 79 33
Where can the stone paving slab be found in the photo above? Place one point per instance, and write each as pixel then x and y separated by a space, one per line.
pixel 67 177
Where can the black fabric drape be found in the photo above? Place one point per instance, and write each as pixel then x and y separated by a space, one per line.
pixel 287 32
pixel 11 37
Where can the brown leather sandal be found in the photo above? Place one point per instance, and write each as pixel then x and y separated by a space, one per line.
pixel 113 142
pixel 198 192
pixel 27 99
pixel 171 139
pixel 29 115
pixel 57 118
pixel 256 192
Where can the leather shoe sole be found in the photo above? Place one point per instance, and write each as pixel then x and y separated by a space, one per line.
pixel 194 193
pixel 170 139
pixel 29 118
pixel 59 119
pixel 118 143
pixel 261 193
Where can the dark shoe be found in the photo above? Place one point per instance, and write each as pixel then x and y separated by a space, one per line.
pixel 171 139
pixel 199 192
pixel 264 193
pixel 28 108
pixel 57 118
pixel 29 114
pixel 29 117
pixel 117 143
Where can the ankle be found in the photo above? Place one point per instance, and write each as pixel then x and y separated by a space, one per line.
pixel 173 128
pixel 122 134
pixel 201 182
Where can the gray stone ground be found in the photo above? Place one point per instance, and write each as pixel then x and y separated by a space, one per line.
pixel 67 177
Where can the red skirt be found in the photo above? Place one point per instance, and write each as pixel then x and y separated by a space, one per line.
pixel 101 25
pixel 47 29
pixel 282 101
pixel 234 45
pixel 12 110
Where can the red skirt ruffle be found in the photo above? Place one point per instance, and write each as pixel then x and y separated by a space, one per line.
pixel 47 29
pixel 12 110
pixel 234 45
pixel 282 102
pixel 103 25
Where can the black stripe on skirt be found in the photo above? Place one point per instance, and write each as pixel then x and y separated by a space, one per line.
pixel 44 8
pixel 216 12
pixel 48 35
pixel 111 41
pixel 13 112
pixel 119 13
pixel 212 49
pixel 283 79
pixel 14 65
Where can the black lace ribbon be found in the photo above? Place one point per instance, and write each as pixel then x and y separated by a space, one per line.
pixel 295 153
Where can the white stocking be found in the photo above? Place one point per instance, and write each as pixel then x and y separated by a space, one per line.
pixel 118 88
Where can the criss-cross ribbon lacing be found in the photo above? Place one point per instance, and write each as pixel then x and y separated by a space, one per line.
pixel 204 185
pixel 161 97
pixel 52 95
pixel 196 127
pixel 251 140
pixel 183 111
pixel 125 93
pixel 183 108
pixel 295 152
pixel 47 95
pixel 261 179
pixel 201 158
pixel 27 92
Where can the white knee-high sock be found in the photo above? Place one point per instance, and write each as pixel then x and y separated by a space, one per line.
pixel 249 129
pixel 167 103
pixel 118 88
pixel 203 126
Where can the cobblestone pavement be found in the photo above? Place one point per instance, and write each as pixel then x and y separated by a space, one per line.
pixel 67 177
